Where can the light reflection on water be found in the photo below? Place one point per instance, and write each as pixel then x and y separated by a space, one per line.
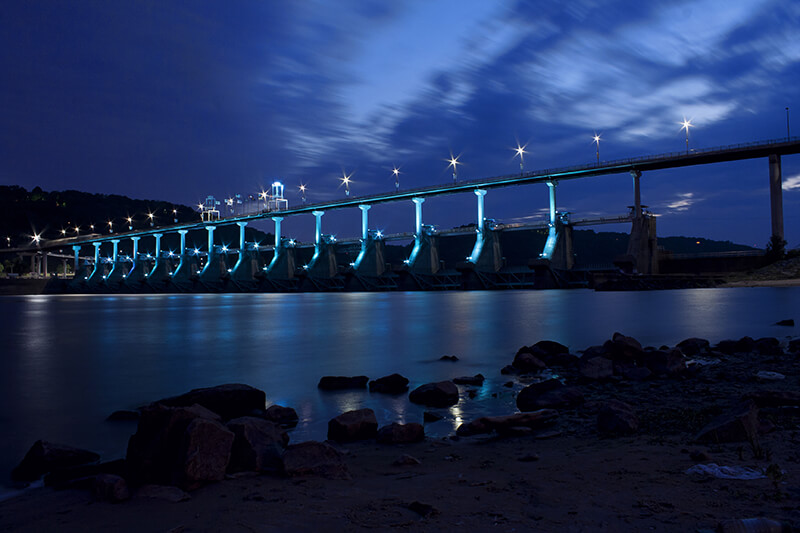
pixel 69 361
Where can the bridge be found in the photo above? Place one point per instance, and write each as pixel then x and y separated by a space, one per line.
pixel 166 271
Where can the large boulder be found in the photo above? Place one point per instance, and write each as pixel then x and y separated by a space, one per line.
pixel 768 346
pixel 548 394
pixel 314 458
pixel 693 346
pixel 391 384
pixel 616 418
pixel 342 382
pixel 350 426
pixel 527 362
pixel 666 362
pixel 794 345
pixel 258 445
pixel 228 401
pixel 205 453
pixel 596 368
pixel 44 457
pixel 475 381
pixel 396 433
pixel 439 394
pixel 622 349
pixel 507 424
pixel 160 448
pixel 284 416
pixel 740 424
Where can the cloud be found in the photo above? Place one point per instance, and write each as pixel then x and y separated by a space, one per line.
pixel 792 183
pixel 683 202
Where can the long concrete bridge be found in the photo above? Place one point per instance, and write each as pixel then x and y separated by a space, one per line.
pixel 159 270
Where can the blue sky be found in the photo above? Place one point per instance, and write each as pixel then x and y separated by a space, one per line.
pixel 177 100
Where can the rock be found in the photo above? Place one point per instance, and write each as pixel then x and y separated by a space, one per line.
pixel 285 416
pixel 596 368
pixel 699 456
pixel 794 345
pixel 451 358
pixel 162 492
pixel 354 425
pixel 423 509
pixel 623 349
pixel 406 460
pixel 509 369
pixel 752 525
pixel 228 401
pixel 314 458
pixel 342 382
pixel 506 424
pixel 439 394
pixel 636 373
pixel 391 384
pixel 156 452
pixel 786 322
pixel 123 416
pixel 526 362
pixel 766 375
pixel 728 347
pixel 258 445
pixel 110 488
pixel 738 425
pixel 693 346
pixel 772 398
pixel 548 394
pixel 44 457
pixel 745 344
pixel 768 346
pixel 396 433
pixel 476 380
pixel 508 384
pixel 83 475
pixel 666 362
pixel 551 348
pixel 205 453
pixel 616 418
pixel 428 416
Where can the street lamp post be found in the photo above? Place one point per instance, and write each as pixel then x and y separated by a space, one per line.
pixel 454 162
pixel 396 172
pixel 596 139
pixel 788 135
pixel 303 193
pixel 685 125
pixel 520 151
pixel 346 182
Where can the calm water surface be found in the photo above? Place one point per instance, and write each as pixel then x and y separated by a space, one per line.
pixel 69 361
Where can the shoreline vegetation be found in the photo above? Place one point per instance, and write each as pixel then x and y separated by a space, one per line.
pixel 693 437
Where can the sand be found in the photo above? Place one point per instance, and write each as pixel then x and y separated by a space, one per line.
pixel 563 478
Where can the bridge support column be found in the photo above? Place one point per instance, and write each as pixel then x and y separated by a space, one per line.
pixel 64 267
pixel 424 258
pixel 552 231
pixel 96 274
pixel 77 249
pixel 642 256
pixel 117 270
pixel 637 194
pixel 364 221
pixel 476 250
pixel 159 275
pixel 182 277
pixel 317 236
pixel 44 259
pixel 776 195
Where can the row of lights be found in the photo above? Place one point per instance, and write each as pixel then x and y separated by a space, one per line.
pixel 129 220
pixel 452 162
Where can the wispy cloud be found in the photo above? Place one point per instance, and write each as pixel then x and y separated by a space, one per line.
pixel 683 202
pixel 792 183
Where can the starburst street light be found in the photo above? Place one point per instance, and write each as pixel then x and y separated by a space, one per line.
pixel 454 162
pixel 396 172
pixel 130 223
pixel 520 151
pixel 77 229
pixel 36 237
pixel 110 226
pixel 151 216
pixel 685 125
pixel 303 193
pixel 596 140
pixel 63 231
pixel 346 182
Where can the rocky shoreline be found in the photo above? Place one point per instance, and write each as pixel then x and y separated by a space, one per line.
pixel 619 437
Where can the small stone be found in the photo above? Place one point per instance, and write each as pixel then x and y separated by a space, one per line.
pixel 530 458
pixel 285 416
pixel 476 380
pixel 423 509
pixel 342 382
pixel 428 416
pixel 359 424
pixel 765 375
pixel 110 488
pixel 508 384
pixel 314 458
pixel 451 358
pixel 616 418
pixel 440 394
pixel 699 456
pixel 737 425
pixel 406 460
pixel 395 433
pixel 787 322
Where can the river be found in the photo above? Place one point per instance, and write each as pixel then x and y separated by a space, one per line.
pixel 68 361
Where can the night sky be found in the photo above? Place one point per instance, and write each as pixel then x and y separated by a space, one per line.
pixel 176 100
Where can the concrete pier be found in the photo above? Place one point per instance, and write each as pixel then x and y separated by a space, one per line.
pixel 776 195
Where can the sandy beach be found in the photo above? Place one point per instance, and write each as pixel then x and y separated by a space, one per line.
pixel 564 477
